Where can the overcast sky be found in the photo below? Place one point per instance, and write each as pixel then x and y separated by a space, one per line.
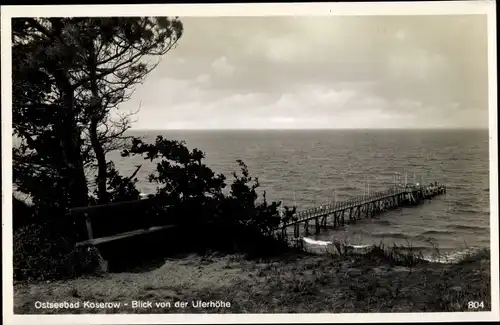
pixel 320 72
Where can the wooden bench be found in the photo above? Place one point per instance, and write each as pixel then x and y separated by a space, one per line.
pixel 124 222
pixel 128 234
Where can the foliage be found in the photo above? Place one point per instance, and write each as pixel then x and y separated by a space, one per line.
pixel 39 253
pixel 190 189
pixel 69 76
pixel 22 212
pixel 120 188
pixel 193 193
pixel 244 209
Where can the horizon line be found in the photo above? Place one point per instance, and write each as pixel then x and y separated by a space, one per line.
pixel 307 129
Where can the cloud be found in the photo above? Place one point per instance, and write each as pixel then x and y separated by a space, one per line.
pixel 416 64
pixel 401 34
pixel 221 67
pixel 203 79
pixel 349 71
pixel 311 106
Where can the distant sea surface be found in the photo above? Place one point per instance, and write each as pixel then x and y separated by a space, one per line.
pixel 311 164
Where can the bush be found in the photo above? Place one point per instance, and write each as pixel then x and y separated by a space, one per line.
pixel 23 213
pixel 40 254
pixel 193 195
pixel 235 239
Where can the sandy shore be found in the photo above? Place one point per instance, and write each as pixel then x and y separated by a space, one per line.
pixel 297 283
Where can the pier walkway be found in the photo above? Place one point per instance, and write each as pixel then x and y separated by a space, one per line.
pixel 366 206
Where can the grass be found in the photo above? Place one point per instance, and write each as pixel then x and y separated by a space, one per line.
pixel 381 280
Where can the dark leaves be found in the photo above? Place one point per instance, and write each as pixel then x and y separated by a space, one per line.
pixel 56 62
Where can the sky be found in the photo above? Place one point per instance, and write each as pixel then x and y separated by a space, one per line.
pixel 320 72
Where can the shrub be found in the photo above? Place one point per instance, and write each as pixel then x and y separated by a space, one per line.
pixel 193 196
pixel 22 212
pixel 41 254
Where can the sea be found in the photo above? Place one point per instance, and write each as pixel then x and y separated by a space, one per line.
pixel 308 168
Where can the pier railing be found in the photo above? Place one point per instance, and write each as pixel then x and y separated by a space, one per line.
pixel 426 191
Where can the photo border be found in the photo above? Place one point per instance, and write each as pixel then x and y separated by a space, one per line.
pixel 259 9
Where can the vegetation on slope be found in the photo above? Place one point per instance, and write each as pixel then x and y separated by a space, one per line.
pixel 291 283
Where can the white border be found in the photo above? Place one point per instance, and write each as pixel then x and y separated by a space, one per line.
pixel 276 9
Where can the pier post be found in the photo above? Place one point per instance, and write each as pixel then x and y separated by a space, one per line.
pixel 296 230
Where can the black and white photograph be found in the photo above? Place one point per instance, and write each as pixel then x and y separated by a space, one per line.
pixel 271 159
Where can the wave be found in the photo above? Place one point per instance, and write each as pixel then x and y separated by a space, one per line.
pixel 414 248
pixel 360 246
pixel 382 222
pixel 441 257
pixel 464 204
pixel 451 257
pixel 347 188
pixel 466 207
pixel 316 242
pixel 470 211
pixel 365 247
pixel 318 158
pixel 465 227
pixel 436 232
pixel 326 243
pixel 391 235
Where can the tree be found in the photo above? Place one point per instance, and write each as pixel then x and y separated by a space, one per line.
pixel 117 54
pixel 44 114
pixel 69 75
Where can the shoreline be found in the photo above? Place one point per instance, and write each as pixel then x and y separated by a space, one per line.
pixel 428 254
pixel 291 283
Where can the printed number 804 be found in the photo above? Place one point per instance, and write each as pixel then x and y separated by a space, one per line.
pixel 475 304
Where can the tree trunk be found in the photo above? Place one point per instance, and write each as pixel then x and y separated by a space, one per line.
pixel 101 163
pixel 71 144
pixel 96 113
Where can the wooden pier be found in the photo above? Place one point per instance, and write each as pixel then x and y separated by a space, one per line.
pixel 362 207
